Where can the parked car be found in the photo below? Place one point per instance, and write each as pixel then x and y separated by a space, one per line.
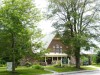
pixel 85 63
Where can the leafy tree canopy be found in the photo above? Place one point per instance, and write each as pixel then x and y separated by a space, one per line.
pixel 18 28
pixel 77 23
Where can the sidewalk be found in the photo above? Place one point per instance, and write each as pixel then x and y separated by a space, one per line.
pixel 51 71
pixel 73 72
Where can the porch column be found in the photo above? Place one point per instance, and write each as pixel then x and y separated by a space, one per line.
pixel 57 61
pixel 52 60
pixel 61 61
pixel 45 60
pixel 68 62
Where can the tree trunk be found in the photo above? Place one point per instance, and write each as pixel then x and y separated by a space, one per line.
pixel 13 53
pixel 13 63
pixel 90 59
pixel 77 57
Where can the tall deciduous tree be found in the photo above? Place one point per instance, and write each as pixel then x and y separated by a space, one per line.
pixel 18 30
pixel 76 22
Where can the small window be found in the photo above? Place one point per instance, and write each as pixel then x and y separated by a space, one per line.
pixel 57 49
pixel 53 46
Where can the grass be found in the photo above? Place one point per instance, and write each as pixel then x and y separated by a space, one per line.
pixel 68 68
pixel 62 69
pixel 32 71
pixel 97 65
pixel 87 68
pixel 23 71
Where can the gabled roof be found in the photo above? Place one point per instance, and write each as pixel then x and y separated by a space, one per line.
pixel 47 40
pixel 49 37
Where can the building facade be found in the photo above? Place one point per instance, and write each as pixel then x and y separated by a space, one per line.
pixel 57 53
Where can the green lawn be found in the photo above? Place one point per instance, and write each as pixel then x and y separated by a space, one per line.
pixel 62 69
pixel 87 68
pixel 23 71
pixel 32 71
pixel 97 65
pixel 68 69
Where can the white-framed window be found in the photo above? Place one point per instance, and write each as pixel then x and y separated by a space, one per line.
pixel 57 48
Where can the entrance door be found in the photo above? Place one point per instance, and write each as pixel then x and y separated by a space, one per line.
pixel 64 60
pixel 49 60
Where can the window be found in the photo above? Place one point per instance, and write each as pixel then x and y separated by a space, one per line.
pixel 57 49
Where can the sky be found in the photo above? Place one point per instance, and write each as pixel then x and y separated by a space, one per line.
pixel 45 25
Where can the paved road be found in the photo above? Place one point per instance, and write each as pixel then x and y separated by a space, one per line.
pixel 94 72
pixel 85 73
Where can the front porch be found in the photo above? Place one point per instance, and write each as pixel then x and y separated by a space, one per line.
pixel 55 58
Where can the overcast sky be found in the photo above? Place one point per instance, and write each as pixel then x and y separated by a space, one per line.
pixel 45 25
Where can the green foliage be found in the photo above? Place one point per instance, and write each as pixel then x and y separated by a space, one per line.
pixel 18 30
pixel 59 65
pixel 74 25
pixel 38 67
pixel 2 62
pixel 28 64
pixel 98 57
pixel 85 60
pixel 94 59
pixel 97 65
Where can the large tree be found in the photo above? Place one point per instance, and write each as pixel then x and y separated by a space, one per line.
pixel 76 22
pixel 18 30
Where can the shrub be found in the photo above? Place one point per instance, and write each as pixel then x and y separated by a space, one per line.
pixel 94 59
pixel 43 63
pixel 36 63
pixel 28 64
pixel 38 67
pixel 59 65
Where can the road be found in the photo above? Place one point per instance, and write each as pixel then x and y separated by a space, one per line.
pixel 84 72
pixel 97 72
pixel 94 72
